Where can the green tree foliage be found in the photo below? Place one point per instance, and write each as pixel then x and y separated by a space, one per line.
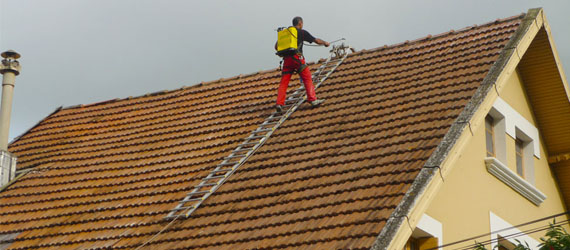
pixel 556 239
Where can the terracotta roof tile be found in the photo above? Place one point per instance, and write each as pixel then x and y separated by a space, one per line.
pixel 104 175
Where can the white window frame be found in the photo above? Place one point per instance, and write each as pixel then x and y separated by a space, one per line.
pixel 514 121
pixel 498 230
pixel 499 132
pixel 429 227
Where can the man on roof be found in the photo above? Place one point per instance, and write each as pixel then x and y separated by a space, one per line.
pixel 295 62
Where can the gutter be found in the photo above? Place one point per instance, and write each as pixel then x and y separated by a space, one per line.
pixel 428 172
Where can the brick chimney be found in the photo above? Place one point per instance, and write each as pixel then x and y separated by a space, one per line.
pixel 9 68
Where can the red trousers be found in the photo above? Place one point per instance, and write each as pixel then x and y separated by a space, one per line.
pixel 290 66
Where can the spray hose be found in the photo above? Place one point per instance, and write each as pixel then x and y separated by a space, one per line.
pixel 318 45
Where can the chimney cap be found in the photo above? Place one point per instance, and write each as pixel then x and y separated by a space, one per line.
pixel 10 54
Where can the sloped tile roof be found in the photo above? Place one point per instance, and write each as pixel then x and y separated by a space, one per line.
pixel 103 176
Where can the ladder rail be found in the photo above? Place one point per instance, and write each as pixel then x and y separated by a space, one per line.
pixel 255 140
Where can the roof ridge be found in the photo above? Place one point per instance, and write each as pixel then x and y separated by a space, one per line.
pixel 164 92
pixel 443 34
pixel 202 83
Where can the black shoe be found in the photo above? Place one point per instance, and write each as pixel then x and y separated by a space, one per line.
pixel 317 102
pixel 279 108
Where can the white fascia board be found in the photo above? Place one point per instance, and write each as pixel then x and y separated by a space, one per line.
pixel 514 120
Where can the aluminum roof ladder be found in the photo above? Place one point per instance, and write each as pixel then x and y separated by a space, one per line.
pixel 255 140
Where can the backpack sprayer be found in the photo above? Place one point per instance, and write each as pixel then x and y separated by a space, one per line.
pixel 287 41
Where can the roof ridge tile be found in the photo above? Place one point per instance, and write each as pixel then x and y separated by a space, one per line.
pixel 444 34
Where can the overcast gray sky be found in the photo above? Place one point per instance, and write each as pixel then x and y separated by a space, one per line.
pixel 85 51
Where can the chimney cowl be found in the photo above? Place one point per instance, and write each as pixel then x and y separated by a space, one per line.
pixel 10 54
pixel 10 62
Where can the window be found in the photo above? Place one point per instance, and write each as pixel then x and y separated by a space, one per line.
pixel 428 234
pixel 504 244
pixel 421 243
pixel 412 244
pixel 501 247
pixel 505 236
pixel 519 145
pixel 490 136
pixel 513 165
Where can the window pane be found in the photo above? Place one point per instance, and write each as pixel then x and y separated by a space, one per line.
pixel 490 149
pixel 519 153
pixel 412 244
pixel 501 247
pixel 520 166
pixel 489 136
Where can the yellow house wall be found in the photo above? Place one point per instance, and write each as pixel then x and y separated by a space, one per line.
pixel 469 192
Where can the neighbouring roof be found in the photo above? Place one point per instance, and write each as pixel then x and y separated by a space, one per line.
pixel 103 176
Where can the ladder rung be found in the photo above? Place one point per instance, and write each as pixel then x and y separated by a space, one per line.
pixel 326 69
pixel 255 137
pixel 199 192
pixel 226 164
pixel 241 150
pixel 334 60
pixel 234 156
pixel 272 117
pixel 269 123
pixel 206 185
pixel 190 200
pixel 222 170
pixel 180 208
pixel 249 143
pixel 294 100
pixel 262 130
pixel 321 73
pixel 298 96
pixel 214 177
